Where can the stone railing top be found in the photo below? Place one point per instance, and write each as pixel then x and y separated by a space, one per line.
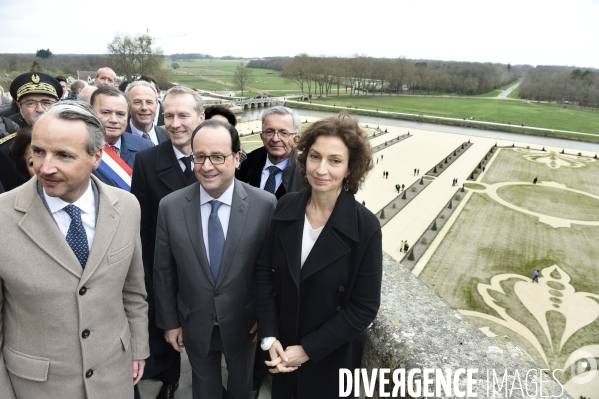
pixel 417 329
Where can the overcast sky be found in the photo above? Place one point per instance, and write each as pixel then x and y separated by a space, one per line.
pixel 536 32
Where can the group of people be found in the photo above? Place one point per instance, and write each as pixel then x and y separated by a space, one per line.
pixel 125 242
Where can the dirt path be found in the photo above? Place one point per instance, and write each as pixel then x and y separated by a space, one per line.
pixel 507 91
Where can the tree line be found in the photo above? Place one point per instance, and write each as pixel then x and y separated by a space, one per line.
pixel 54 64
pixel 563 85
pixel 326 76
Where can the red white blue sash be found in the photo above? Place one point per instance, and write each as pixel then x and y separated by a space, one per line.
pixel 116 168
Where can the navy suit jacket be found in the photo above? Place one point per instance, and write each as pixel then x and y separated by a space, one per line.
pixel 130 146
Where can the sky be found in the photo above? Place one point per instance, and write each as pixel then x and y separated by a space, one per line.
pixel 534 32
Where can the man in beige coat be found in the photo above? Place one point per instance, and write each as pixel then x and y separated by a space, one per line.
pixel 73 320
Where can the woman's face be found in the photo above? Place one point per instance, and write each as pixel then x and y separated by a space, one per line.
pixel 327 164
pixel 29 160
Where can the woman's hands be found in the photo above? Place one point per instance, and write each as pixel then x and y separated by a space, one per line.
pixel 285 361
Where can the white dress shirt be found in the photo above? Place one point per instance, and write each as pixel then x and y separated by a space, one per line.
pixel 224 212
pixel 117 145
pixel 87 204
pixel 139 133
pixel 278 176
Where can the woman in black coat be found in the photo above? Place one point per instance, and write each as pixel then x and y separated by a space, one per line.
pixel 319 273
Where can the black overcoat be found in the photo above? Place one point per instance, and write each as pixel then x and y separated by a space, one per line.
pixel 327 305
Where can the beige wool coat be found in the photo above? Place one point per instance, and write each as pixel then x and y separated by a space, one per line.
pixel 68 332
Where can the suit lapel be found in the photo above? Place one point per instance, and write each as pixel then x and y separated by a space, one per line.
pixel 237 219
pixel 332 244
pixel 38 224
pixel 107 223
pixel 168 170
pixel 193 221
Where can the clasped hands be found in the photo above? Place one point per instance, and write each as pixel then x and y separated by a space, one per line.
pixel 285 361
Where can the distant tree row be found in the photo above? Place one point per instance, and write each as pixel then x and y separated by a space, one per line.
pixel 57 64
pixel 274 63
pixel 188 56
pixel 561 85
pixel 367 75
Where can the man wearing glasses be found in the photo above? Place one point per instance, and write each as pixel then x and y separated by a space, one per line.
pixel 208 238
pixel 34 93
pixel 105 77
pixel 272 167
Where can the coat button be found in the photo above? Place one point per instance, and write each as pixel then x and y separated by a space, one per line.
pixel 211 317
pixel 338 308
pixel 85 334
pixel 341 288
pixel 83 290
pixel 89 373
pixel 216 294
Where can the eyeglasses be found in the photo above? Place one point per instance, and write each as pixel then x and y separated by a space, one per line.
pixel 215 159
pixel 282 134
pixel 33 103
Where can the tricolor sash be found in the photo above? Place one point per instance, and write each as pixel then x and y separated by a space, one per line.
pixel 116 169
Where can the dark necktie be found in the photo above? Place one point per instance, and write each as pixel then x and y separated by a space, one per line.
pixel 216 240
pixel 146 136
pixel 271 182
pixel 76 236
pixel 187 162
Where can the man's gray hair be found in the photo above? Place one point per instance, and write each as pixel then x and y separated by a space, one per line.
pixel 105 68
pixel 280 110
pixel 186 90
pixel 139 83
pixel 78 110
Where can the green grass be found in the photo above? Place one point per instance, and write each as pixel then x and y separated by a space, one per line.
pixel 514 112
pixel 551 201
pixel 251 142
pixel 515 94
pixel 511 165
pixel 493 93
pixel 474 186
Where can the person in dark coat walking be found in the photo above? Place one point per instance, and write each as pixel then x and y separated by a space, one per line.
pixel 326 254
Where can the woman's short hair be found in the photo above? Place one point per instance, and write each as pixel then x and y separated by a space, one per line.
pixel 17 151
pixel 214 110
pixel 353 136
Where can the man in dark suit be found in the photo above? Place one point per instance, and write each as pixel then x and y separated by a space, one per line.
pixel 209 236
pixel 144 105
pixel 273 167
pixel 111 106
pixel 158 172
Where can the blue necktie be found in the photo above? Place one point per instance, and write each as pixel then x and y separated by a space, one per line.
pixel 216 240
pixel 187 162
pixel 76 236
pixel 271 182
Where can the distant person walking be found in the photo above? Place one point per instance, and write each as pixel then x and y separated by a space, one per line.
pixel 534 181
pixel 535 276
pixel 405 247
pixel 403 187
pixel 381 157
pixel 415 171
pixel 386 174
pixel 397 187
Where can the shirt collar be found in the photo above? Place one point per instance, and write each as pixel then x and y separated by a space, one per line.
pixel 179 154
pixel 86 202
pixel 281 165
pixel 117 144
pixel 138 132
pixel 225 198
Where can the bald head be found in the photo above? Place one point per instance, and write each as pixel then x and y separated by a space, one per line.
pixel 86 93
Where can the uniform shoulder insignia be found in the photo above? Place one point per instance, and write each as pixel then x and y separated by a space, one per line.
pixel 7 138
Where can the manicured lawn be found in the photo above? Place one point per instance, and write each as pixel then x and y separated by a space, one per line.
pixel 474 186
pixel 575 172
pixel 515 93
pixel 514 112
pixel 551 201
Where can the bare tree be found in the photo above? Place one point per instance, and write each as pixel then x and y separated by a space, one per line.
pixel 242 77
pixel 133 57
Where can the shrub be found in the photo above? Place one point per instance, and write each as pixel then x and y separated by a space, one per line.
pixel 442 217
pixel 382 214
pixel 404 195
pixel 411 255
pixel 394 205
pixel 422 180
pixel 413 189
pixel 434 226
pixel 457 197
pixel 423 240
pixel 450 205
